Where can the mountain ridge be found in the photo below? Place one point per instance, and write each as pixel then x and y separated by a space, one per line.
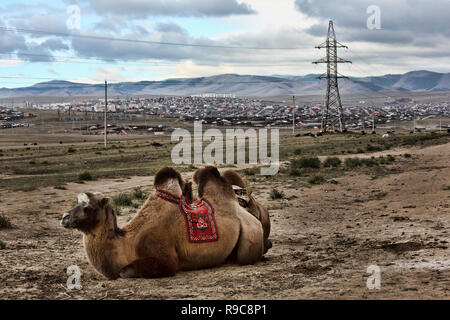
pixel 241 85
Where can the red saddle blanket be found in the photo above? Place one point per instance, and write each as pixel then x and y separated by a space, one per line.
pixel 199 217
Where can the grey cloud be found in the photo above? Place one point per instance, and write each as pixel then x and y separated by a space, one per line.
pixel 40 22
pixel 111 24
pixel 35 53
pixel 118 50
pixel 10 41
pixel 54 44
pixel 401 21
pixel 169 27
pixel 184 8
pixel 49 22
pixel 41 52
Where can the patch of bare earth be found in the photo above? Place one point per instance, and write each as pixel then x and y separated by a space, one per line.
pixel 323 241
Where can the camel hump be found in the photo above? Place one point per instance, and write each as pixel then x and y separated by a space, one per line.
pixel 165 174
pixel 211 174
pixel 234 178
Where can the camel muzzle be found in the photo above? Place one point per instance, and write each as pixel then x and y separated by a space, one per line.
pixel 67 220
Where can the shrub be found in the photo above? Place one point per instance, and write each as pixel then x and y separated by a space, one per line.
pixel 390 158
pixel 2 245
pixel 369 162
pixel 312 162
pixel 373 148
pixel 71 150
pixel 298 151
pixel 407 155
pixel 352 162
pixel 412 140
pixel 382 160
pixel 296 172
pixel 85 176
pixel 5 223
pixel 139 194
pixel 332 162
pixel 123 200
pixel 275 194
pixel 250 171
pixel 316 179
pixel 117 210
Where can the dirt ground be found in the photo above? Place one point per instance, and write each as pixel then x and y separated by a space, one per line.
pixel 324 239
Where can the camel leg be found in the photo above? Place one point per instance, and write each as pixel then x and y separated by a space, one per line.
pixel 149 268
pixel 250 246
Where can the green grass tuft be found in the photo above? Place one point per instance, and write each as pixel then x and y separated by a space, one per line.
pixel 305 162
pixel 122 200
pixel 85 176
pixel 332 162
pixel 352 163
pixel 316 179
pixel 5 223
pixel 275 194
pixel 139 194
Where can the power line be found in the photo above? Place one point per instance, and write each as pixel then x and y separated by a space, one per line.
pixel 62 34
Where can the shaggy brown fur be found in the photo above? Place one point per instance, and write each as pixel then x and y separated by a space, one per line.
pixel 211 174
pixel 187 192
pixel 155 243
pixel 253 206
pixel 219 192
pixel 165 174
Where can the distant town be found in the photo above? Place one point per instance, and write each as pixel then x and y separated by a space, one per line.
pixel 227 110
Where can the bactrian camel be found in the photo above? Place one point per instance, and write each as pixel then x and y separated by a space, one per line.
pixel 155 243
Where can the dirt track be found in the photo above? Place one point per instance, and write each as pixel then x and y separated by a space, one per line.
pixel 323 242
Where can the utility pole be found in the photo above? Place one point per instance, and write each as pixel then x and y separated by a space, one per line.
pixel 106 113
pixel 293 116
pixel 373 122
pixel 363 118
pixel 333 98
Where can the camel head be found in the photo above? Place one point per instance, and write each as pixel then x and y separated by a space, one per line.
pixel 169 179
pixel 92 210
pixel 210 181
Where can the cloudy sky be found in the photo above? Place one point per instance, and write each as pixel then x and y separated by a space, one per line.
pixel 158 39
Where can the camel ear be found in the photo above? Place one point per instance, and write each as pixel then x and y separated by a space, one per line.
pixel 104 202
pixel 195 176
pixel 83 199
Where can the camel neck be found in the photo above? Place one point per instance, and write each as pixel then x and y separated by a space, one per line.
pixel 99 247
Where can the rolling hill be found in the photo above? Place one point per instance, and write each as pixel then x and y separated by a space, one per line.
pixel 240 85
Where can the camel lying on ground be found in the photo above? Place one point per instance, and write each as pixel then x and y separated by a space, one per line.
pixel 247 201
pixel 155 243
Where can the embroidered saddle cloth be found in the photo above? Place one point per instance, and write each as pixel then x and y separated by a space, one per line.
pixel 199 217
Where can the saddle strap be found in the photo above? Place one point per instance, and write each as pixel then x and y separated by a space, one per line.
pixel 168 196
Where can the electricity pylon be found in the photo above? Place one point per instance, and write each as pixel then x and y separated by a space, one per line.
pixel 333 98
